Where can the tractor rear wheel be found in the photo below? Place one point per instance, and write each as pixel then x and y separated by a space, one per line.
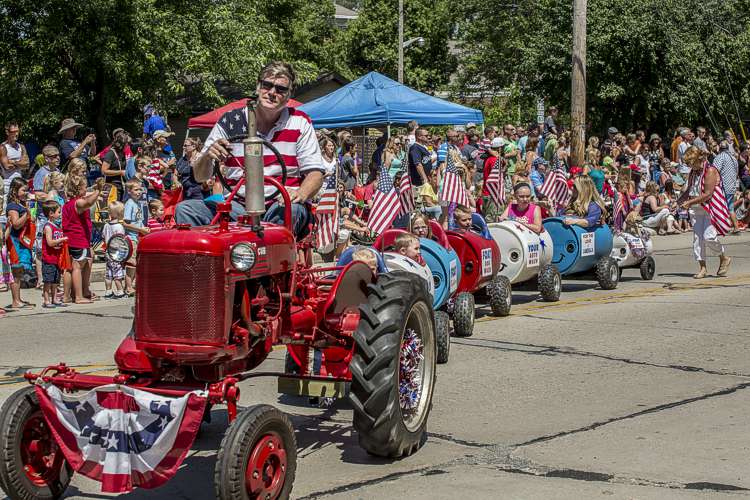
pixel 607 273
pixel 257 458
pixel 463 315
pixel 393 368
pixel 32 465
pixel 499 294
pixel 442 336
pixel 648 268
pixel 550 283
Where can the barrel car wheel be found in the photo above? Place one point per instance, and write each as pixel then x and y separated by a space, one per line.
pixel 607 273
pixel 648 268
pixel 550 283
pixel 463 315
pixel 442 336
pixel 500 297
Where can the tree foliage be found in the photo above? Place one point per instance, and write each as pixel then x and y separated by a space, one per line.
pixel 651 63
pixel 102 60
pixel 370 43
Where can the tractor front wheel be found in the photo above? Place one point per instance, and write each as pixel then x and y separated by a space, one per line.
pixel 499 293
pixel 463 314
pixel 550 283
pixel 393 368
pixel 443 336
pixel 32 464
pixel 257 458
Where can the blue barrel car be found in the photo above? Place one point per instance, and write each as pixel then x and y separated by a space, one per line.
pixel 442 262
pixel 579 250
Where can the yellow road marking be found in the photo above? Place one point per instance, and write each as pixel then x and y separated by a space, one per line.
pixel 567 305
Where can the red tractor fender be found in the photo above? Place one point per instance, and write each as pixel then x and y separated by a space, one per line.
pixel 340 317
pixel 479 257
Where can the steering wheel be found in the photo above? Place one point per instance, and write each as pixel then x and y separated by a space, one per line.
pixel 223 181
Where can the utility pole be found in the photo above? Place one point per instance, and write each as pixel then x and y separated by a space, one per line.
pixel 578 85
pixel 400 41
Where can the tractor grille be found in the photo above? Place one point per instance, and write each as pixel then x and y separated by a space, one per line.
pixel 180 298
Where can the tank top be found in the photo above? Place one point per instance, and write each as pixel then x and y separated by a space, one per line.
pixel 77 227
pixel 646 211
pixel 14 154
pixel 51 255
pixel 527 216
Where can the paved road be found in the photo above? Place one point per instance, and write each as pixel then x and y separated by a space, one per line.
pixel 641 392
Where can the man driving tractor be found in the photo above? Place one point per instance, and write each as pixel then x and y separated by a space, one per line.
pixel 289 130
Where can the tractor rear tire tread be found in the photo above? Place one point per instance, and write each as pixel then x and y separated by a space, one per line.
pixel 550 283
pixel 16 409
pixel 442 336
pixel 237 444
pixel 374 367
pixel 604 275
pixel 500 295
pixel 463 315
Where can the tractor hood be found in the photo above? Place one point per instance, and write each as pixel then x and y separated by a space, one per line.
pixel 216 241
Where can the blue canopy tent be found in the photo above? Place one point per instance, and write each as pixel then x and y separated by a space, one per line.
pixel 375 99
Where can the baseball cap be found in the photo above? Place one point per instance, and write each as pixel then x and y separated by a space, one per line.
pixel 497 143
pixel 162 133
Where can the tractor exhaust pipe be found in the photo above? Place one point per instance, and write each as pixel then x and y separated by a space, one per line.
pixel 255 200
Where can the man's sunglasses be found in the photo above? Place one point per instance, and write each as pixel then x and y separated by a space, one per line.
pixel 267 86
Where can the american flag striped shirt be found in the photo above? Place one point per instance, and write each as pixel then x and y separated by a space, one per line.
pixel 292 134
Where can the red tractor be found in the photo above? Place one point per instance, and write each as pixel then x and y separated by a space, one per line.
pixel 211 304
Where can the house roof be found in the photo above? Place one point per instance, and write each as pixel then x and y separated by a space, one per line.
pixel 344 13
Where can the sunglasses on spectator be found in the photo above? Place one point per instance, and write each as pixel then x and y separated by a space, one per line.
pixel 267 86
pixel 52 156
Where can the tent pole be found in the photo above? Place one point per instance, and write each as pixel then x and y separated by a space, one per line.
pixel 388 134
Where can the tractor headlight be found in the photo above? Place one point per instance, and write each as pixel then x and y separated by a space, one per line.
pixel 119 248
pixel 242 257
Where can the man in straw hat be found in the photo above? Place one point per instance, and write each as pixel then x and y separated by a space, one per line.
pixel 70 147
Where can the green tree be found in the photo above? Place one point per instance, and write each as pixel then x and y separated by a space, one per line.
pixel 371 41
pixel 651 63
pixel 101 60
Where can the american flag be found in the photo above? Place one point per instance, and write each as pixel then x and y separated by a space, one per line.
pixel 556 189
pixel 121 436
pixel 385 203
pixel 496 185
pixel 406 194
pixel 327 214
pixel 453 190
pixel 717 207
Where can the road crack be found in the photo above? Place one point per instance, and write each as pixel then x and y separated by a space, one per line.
pixel 647 411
